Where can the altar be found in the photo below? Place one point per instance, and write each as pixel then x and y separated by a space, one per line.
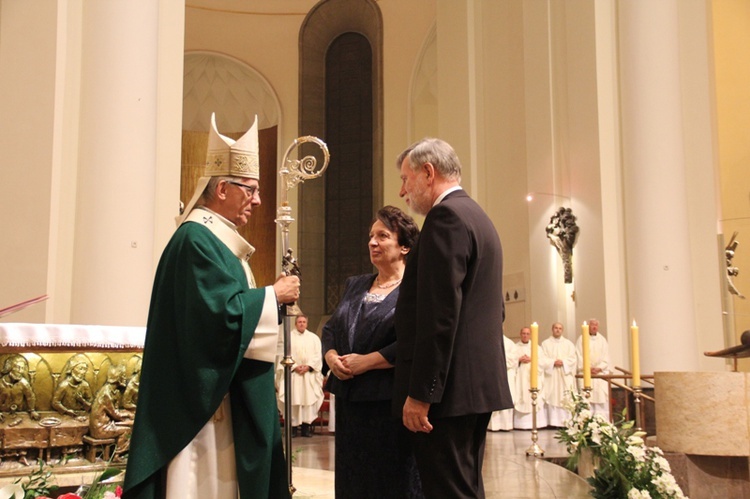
pixel 50 376
pixel 703 423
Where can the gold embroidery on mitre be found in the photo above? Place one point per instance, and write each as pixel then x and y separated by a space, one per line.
pixel 227 157
pixel 245 165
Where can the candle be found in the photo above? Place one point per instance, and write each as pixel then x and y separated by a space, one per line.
pixel 534 380
pixel 586 349
pixel 635 363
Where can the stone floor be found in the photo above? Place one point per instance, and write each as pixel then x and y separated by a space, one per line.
pixel 508 473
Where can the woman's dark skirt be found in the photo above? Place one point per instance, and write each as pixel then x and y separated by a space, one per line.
pixel 373 457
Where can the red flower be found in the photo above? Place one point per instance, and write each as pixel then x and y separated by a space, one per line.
pixel 118 491
pixel 69 495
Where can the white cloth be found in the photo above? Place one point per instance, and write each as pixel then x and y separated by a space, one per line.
pixel 331 413
pixel 206 466
pixel 522 416
pixel 307 388
pixel 599 356
pixel 503 420
pixel 71 335
pixel 558 380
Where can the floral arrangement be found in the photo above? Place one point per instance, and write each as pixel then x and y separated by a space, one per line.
pixel 37 486
pixel 624 466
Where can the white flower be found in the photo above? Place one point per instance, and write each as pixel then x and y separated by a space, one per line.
pixel 661 463
pixel 12 491
pixel 638 494
pixel 667 485
pixel 635 440
pixel 596 436
pixel 637 451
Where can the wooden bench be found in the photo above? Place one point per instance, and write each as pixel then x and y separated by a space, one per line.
pixel 91 445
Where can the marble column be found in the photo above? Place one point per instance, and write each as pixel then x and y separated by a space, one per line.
pixel 660 281
pixel 127 102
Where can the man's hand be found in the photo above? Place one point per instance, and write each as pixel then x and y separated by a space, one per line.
pixel 524 359
pixel 301 369
pixel 415 415
pixel 286 288
pixel 558 363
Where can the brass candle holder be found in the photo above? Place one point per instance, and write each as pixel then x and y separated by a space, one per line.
pixel 637 399
pixel 534 450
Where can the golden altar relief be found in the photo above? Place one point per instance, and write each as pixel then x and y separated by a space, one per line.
pixel 67 394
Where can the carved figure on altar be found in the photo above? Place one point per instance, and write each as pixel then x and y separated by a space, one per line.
pixel 130 397
pixel 107 420
pixel 73 395
pixel 16 393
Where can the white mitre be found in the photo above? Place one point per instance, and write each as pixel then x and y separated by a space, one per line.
pixel 226 158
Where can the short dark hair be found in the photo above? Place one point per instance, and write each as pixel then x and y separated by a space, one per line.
pixel 400 223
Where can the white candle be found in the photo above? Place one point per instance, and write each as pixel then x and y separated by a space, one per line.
pixel 534 380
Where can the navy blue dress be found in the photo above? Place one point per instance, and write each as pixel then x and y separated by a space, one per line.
pixel 373 458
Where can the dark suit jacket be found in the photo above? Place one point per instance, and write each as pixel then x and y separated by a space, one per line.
pixel 449 315
pixel 374 333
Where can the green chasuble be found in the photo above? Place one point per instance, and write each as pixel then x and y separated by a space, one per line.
pixel 201 319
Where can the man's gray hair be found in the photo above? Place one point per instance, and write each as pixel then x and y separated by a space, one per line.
pixel 209 193
pixel 438 153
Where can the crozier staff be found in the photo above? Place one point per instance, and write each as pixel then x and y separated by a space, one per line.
pixel 206 425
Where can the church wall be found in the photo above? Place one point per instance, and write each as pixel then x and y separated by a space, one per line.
pixel 501 182
pixel 27 73
pixel 406 29
pixel 91 109
pixel 731 45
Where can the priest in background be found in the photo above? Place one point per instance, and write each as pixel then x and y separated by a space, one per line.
pixel 559 376
pixel 599 355
pixel 523 416
pixel 307 379
pixel 503 420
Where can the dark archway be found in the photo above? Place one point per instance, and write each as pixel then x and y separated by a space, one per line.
pixel 333 38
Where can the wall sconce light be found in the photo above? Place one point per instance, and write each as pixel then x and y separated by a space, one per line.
pixel 531 195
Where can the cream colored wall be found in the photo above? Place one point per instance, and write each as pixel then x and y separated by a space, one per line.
pixel 93 155
pixel 27 72
pixel 406 29
pixel 731 37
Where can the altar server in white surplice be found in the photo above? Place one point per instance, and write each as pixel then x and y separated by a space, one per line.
pixel 503 420
pixel 599 365
pixel 522 416
pixel 559 376
pixel 307 380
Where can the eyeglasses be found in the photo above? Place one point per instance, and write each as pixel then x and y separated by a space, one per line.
pixel 250 190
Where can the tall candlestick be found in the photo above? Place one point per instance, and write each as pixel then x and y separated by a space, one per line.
pixel 635 363
pixel 534 379
pixel 586 349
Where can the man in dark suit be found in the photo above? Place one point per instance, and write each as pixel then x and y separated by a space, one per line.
pixel 450 361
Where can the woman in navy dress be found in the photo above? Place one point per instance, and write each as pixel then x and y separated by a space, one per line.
pixel 359 343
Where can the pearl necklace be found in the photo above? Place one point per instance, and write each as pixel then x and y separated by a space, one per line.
pixel 385 286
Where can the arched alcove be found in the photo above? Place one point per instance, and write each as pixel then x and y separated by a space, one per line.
pixel 321 30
